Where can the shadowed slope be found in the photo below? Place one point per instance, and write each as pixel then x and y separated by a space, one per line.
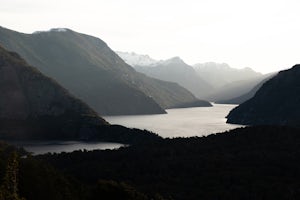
pixel 33 106
pixel 276 102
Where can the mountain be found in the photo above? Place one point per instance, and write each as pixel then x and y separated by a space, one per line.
pixel 246 96
pixel 221 74
pixel 176 70
pixel 134 59
pixel 32 105
pixel 275 103
pixel 90 70
pixel 173 70
pixel 216 82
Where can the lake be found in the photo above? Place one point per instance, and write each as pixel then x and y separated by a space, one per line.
pixel 183 122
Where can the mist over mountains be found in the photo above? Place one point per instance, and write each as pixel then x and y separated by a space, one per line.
pixel 80 120
pixel 221 74
pixel 176 70
pixel 248 95
pixel 210 81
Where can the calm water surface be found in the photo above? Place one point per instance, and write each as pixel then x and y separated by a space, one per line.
pixel 39 147
pixel 184 122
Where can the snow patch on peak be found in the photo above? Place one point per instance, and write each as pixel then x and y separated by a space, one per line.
pixel 58 30
pixel 52 30
pixel 135 59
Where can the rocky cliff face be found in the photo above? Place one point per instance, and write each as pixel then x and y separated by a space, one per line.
pixel 34 106
pixel 277 102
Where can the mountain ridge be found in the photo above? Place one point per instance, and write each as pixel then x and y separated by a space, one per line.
pixel 224 81
pixel 220 74
pixel 91 71
pixel 174 70
pixel 134 59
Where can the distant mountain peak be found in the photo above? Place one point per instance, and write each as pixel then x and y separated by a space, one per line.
pixel 134 59
pixel 249 69
pixel 212 65
pixel 144 60
pixel 173 60
pixel 221 74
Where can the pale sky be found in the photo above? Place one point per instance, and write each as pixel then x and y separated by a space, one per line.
pixel 261 34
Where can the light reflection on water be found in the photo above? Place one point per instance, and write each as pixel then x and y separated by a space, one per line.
pixel 42 147
pixel 184 122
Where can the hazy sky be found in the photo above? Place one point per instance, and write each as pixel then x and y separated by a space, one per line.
pixel 261 34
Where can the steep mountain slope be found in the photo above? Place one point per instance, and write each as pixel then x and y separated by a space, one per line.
pixel 173 70
pixel 34 106
pixel 220 74
pixel 90 70
pixel 246 96
pixel 176 70
pixel 276 102
pixel 169 94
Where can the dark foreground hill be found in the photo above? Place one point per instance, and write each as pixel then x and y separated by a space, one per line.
pixel 277 102
pixel 90 70
pixel 33 106
pixel 246 163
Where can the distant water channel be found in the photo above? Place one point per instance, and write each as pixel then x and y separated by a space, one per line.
pixel 183 122
pixel 42 147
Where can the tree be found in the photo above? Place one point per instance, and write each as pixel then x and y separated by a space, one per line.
pixel 9 187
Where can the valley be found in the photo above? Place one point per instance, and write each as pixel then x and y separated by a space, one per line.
pixel 80 120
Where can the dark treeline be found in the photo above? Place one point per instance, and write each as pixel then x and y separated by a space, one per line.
pixel 246 163
pixel 31 179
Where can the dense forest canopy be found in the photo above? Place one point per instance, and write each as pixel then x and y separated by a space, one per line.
pixel 246 163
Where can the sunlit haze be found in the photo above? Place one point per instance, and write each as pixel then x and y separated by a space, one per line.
pixel 263 35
